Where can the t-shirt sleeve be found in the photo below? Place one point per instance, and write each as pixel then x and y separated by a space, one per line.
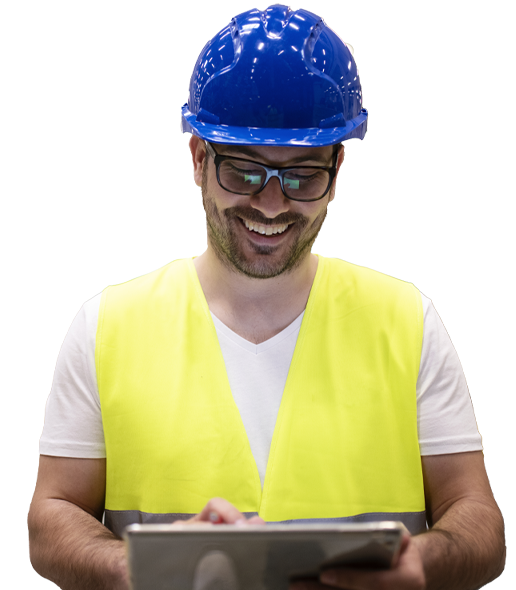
pixel 73 420
pixel 446 421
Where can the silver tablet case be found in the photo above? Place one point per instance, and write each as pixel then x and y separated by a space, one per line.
pixel 229 557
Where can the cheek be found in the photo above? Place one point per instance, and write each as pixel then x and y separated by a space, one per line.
pixel 318 216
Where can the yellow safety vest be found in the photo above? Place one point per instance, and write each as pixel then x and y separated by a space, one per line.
pixel 345 445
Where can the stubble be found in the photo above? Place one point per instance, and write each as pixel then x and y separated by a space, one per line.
pixel 222 237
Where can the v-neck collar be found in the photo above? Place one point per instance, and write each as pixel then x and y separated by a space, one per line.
pixel 262 346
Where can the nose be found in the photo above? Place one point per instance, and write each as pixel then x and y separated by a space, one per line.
pixel 270 200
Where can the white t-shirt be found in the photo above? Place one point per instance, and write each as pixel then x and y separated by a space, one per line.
pixel 257 375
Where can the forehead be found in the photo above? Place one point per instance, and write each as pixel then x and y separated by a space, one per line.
pixel 279 155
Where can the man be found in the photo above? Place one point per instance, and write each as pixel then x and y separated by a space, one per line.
pixel 259 382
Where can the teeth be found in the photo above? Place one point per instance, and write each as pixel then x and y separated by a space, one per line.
pixel 265 230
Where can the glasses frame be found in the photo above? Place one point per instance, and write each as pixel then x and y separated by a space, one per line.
pixel 274 172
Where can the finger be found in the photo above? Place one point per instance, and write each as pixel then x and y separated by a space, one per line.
pixel 218 511
pixel 255 520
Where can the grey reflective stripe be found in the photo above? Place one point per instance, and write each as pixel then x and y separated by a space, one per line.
pixel 117 520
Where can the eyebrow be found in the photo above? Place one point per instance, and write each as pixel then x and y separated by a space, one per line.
pixel 248 151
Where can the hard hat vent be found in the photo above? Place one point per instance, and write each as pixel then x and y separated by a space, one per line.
pixel 275 19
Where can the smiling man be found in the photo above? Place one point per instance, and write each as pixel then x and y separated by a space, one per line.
pixel 305 176
pixel 264 234
pixel 259 382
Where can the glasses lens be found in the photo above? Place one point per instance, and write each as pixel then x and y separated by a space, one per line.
pixel 305 184
pixel 241 177
pixel 247 178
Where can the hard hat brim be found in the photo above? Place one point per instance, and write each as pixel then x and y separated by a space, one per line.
pixel 310 137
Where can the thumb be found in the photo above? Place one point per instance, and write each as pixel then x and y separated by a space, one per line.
pixel 405 540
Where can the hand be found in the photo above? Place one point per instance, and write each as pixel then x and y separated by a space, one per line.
pixel 220 511
pixel 406 574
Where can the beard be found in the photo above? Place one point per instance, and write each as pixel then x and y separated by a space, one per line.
pixel 264 262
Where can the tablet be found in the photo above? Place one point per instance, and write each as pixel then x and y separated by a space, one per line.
pixel 252 557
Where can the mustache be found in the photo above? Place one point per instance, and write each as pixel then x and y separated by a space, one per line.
pixel 255 216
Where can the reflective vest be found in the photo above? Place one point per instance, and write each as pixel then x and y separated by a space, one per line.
pixel 345 445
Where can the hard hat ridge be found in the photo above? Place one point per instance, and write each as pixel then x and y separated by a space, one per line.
pixel 275 19
pixel 277 76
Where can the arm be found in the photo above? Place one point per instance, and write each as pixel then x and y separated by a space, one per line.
pixel 68 543
pixel 465 548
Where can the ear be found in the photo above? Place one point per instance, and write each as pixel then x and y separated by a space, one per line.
pixel 197 158
pixel 198 151
pixel 340 159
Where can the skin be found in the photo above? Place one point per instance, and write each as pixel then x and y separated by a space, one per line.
pixel 259 308
pixel 258 290
pixel 464 549
pixel 407 572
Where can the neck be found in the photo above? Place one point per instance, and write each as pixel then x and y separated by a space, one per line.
pixel 243 294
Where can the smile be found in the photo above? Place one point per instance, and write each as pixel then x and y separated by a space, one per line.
pixel 265 230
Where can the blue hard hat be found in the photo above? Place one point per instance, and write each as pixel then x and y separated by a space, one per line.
pixel 277 77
